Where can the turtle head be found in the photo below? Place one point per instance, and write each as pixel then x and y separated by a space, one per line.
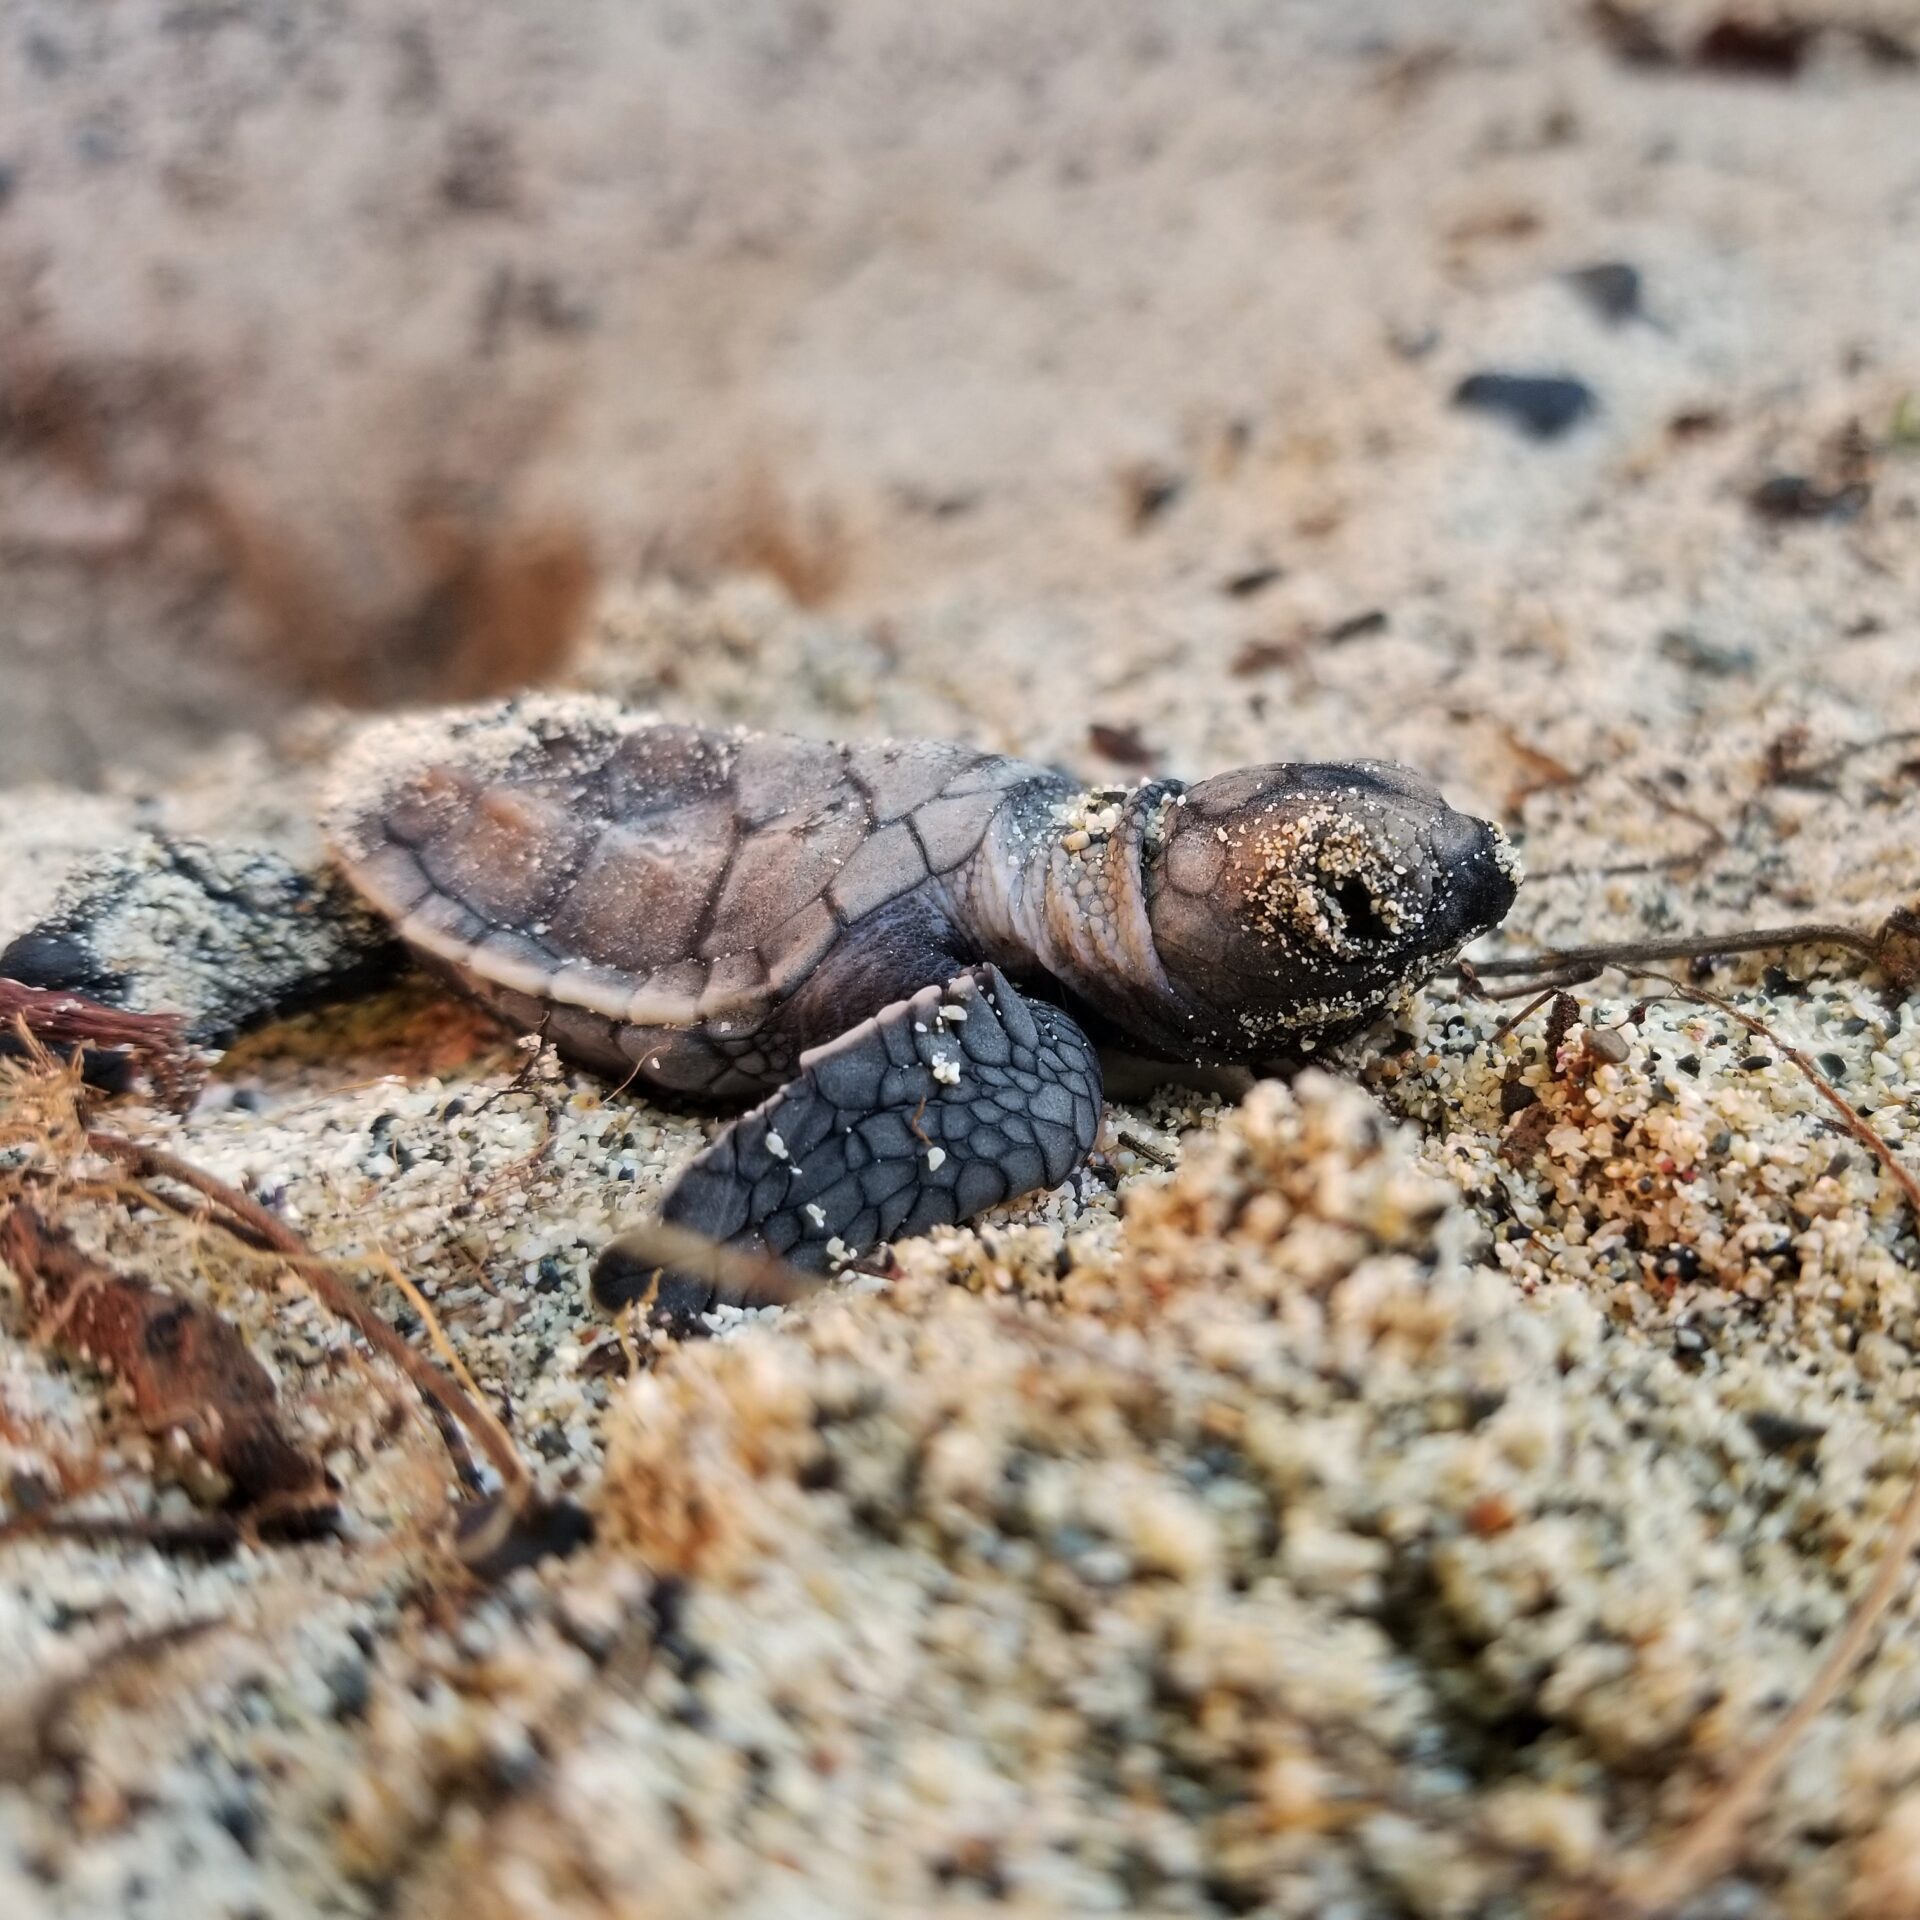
pixel 1289 903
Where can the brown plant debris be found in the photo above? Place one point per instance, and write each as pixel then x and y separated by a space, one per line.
pixel 191 1377
pixel 1124 745
pixel 249 1222
pixel 114 1046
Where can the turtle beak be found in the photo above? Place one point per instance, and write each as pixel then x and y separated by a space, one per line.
pixel 1477 879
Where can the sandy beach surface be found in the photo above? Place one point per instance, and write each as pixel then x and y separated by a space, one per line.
pixel 1414 1490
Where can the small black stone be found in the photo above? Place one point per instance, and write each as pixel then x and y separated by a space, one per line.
pixel 1689 650
pixel 349 1688
pixel 1792 496
pixel 1690 1345
pixel 1677 1263
pixel 1150 492
pixel 1782 1433
pixel 241 1818
pixel 1610 287
pixel 1243 586
pixel 1543 406
pixel 1356 626
pixel 1516 1096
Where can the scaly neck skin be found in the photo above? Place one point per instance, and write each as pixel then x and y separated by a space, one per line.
pixel 1058 885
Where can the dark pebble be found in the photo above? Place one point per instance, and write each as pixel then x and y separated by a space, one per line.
pixel 1753 48
pixel 1782 1433
pixel 1150 491
pixel 1690 1345
pixel 1356 627
pixel 1122 745
pixel 241 1818
pixel 1677 1263
pixel 1609 1044
pixel 349 1688
pixel 1610 287
pixel 1689 650
pixel 1243 586
pixel 1690 423
pixel 1792 496
pixel 1516 1096
pixel 1543 406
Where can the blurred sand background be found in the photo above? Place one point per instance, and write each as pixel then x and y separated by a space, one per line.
pixel 346 349
pixel 1342 1522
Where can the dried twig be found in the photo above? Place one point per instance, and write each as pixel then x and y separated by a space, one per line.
pixel 1507 1025
pixel 209 1533
pixel 1696 946
pixel 110 1041
pixel 229 1206
pixel 1158 1156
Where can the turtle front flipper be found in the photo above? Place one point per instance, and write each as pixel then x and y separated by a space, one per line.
pixel 940 1106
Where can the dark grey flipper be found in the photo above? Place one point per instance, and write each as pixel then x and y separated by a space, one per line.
pixel 223 935
pixel 938 1107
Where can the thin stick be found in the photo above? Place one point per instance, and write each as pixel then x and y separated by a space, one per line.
pixel 442 1345
pixel 1527 1012
pixel 1627 954
pixel 1856 1126
pixel 334 1293
pixel 211 1533
pixel 1159 1156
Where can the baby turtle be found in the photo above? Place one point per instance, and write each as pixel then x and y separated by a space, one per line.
pixel 905 951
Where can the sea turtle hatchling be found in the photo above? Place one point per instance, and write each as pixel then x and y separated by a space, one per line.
pixel 904 951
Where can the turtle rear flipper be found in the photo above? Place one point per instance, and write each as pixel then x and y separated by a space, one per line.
pixel 223 934
pixel 939 1107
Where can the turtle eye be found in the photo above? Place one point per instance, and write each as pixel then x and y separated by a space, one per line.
pixel 1357 909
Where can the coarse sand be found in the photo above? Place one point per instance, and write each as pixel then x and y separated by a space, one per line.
pixel 1411 1490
